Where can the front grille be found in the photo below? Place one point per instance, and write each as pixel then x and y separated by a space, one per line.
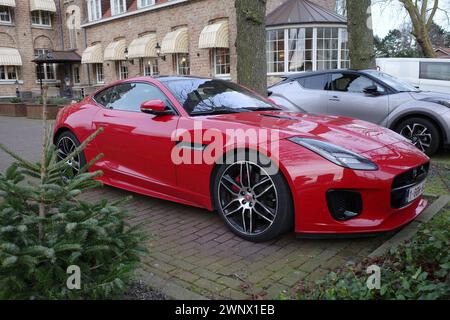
pixel 404 182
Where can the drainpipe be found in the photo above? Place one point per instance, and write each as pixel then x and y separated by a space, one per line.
pixel 60 24
pixel 88 68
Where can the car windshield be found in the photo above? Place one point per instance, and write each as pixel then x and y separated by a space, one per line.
pixel 397 84
pixel 206 97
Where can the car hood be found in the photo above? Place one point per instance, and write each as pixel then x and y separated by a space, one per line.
pixel 355 135
pixel 424 95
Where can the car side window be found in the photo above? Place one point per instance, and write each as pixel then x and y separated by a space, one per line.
pixel 319 82
pixel 353 83
pixel 130 96
pixel 103 97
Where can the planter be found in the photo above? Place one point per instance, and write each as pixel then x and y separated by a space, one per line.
pixel 34 111
pixel 13 109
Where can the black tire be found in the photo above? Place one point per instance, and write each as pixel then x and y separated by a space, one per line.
pixel 284 218
pixel 80 159
pixel 412 128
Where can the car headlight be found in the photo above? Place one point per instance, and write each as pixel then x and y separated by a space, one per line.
pixel 340 156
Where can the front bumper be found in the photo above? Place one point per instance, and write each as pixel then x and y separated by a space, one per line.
pixel 311 181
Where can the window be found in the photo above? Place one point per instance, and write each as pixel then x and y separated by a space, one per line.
pixel 129 96
pixel 345 52
pixel 435 71
pixel 150 67
pixel 98 70
pixel 319 82
pixel 94 10
pixel 41 18
pixel 76 74
pixel 306 49
pixel 5 15
pixel 145 3
pixel 222 62
pixel 275 51
pixel 8 73
pixel 327 48
pixel 182 64
pixel 73 35
pixel 45 71
pixel 300 49
pixel 198 96
pixel 122 70
pixel 118 7
pixel 352 83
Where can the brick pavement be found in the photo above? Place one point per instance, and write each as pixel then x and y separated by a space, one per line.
pixel 192 249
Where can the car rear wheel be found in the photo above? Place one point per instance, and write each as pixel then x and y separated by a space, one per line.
pixel 65 145
pixel 254 205
pixel 422 133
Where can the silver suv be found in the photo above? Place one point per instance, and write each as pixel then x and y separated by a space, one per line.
pixel 422 117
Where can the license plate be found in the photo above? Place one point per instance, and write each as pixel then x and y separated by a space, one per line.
pixel 416 191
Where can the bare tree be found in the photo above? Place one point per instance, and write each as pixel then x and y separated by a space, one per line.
pixel 422 13
pixel 360 34
pixel 251 44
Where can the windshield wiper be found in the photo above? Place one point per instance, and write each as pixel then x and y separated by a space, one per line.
pixel 264 109
pixel 218 111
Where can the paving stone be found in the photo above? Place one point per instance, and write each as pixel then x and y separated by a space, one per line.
pixel 209 285
pixel 185 275
pixel 233 294
pixel 293 278
pixel 230 282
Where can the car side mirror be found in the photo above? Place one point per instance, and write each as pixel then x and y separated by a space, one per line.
pixel 155 107
pixel 372 90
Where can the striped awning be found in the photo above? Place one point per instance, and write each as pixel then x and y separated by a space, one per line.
pixel 215 36
pixel 175 42
pixel 8 3
pixel 10 57
pixel 93 54
pixel 115 51
pixel 143 47
pixel 42 5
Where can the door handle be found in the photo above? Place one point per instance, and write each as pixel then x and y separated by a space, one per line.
pixel 335 98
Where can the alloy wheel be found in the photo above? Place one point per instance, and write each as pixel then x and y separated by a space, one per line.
pixel 248 198
pixel 419 135
pixel 65 147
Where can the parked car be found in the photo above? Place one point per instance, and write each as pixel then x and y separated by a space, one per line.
pixel 374 96
pixel 320 174
pixel 423 73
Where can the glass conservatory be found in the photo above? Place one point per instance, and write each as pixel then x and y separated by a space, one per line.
pixel 303 36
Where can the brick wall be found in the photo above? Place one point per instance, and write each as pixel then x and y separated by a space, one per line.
pixel 195 14
pixel 23 36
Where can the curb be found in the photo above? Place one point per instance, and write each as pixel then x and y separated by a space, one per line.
pixel 410 230
pixel 168 288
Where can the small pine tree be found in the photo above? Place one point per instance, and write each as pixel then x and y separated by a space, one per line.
pixel 45 228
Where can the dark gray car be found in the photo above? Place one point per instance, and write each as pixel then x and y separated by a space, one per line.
pixel 422 117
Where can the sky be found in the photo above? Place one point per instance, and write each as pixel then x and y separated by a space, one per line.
pixel 391 16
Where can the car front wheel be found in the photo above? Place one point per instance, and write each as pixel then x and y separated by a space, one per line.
pixel 255 205
pixel 66 143
pixel 422 133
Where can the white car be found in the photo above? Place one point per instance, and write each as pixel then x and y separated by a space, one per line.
pixel 423 73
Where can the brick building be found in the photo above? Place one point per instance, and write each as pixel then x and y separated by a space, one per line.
pixel 93 42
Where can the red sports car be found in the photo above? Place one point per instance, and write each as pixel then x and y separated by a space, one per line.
pixel 216 145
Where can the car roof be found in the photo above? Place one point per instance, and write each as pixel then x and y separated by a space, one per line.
pixel 314 73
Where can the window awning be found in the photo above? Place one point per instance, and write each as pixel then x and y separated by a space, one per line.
pixel 215 36
pixel 42 5
pixel 93 54
pixel 115 51
pixel 143 47
pixel 10 57
pixel 8 3
pixel 69 56
pixel 175 42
